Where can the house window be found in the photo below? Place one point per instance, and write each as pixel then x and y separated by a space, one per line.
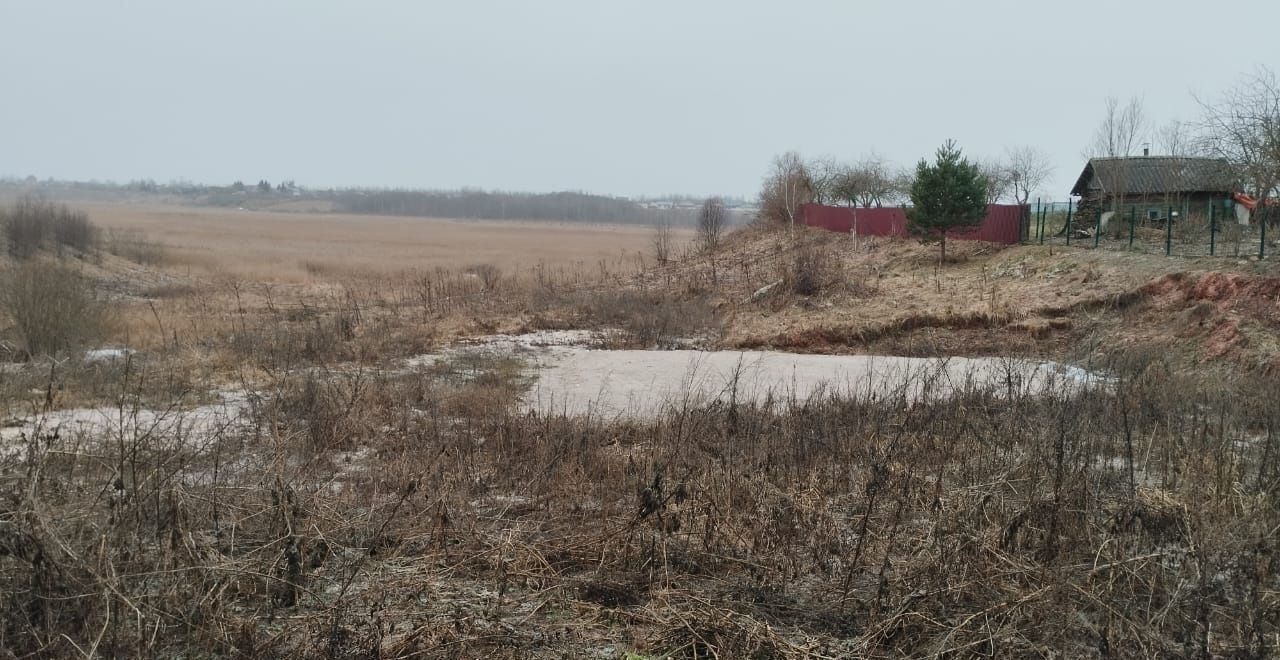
pixel 1153 214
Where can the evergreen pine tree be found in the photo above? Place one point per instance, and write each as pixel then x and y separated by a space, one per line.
pixel 948 194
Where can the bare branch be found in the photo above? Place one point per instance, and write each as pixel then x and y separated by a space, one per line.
pixel 1029 168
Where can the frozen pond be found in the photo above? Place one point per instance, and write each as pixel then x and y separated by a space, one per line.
pixel 575 379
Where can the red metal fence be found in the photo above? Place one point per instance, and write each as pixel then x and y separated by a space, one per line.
pixel 1005 223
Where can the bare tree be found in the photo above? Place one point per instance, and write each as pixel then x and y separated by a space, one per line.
pixel 849 186
pixel 713 218
pixel 1122 129
pixel 867 183
pixel 900 186
pixel 997 177
pixel 786 187
pixel 1028 169
pixel 662 243
pixel 824 175
pixel 1175 139
pixel 1243 126
pixel 1118 135
pixel 877 189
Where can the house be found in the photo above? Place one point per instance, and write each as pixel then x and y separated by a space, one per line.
pixel 1152 186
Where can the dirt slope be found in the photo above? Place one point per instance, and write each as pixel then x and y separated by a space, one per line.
pixel 892 296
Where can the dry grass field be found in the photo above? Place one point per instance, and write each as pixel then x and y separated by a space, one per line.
pixel 332 461
pixel 283 246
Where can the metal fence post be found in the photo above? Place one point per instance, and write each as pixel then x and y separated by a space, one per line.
pixel 1037 229
pixel 1213 228
pixel 1068 225
pixel 1262 243
pixel 1133 218
pixel 1168 231
pixel 1097 228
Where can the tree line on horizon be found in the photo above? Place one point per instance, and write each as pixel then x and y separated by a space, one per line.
pixel 465 203
pixel 495 205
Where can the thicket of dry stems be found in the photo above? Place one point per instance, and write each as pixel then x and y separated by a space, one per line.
pixel 367 509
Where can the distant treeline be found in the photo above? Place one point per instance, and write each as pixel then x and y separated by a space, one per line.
pixel 465 203
pixel 479 204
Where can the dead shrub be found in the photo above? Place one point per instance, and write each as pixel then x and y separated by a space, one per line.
pixel 488 274
pixel 53 307
pixel 735 529
pixel 134 245
pixel 72 229
pixel 1192 228
pixel 31 224
pixel 323 408
pixel 810 268
pixel 477 384
pixel 651 319
pixel 662 243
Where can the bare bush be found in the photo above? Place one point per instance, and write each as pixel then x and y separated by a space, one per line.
pixel 489 275
pixel 650 319
pixel 713 220
pixel 52 307
pixel 1136 515
pixel 662 243
pixel 25 231
pixel 136 246
pixel 31 224
pixel 72 229
pixel 809 268
pixel 787 186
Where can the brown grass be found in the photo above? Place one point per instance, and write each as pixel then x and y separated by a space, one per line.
pixel 366 513
pixel 295 246
pixel 366 508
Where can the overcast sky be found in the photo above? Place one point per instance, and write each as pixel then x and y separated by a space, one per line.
pixel 610 97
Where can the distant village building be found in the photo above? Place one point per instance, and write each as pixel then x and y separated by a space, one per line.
pixel 1154 185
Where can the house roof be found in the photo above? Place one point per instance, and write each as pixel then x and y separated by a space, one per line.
pixel 1147 175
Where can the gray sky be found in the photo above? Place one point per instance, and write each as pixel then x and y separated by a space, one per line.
pixel 609 97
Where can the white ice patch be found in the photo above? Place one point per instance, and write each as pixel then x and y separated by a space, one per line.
pixel 613 383
pixel 107 354
pixel 193 427
pixel 571 378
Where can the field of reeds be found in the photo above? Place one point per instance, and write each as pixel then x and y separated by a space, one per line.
pixel 262 470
